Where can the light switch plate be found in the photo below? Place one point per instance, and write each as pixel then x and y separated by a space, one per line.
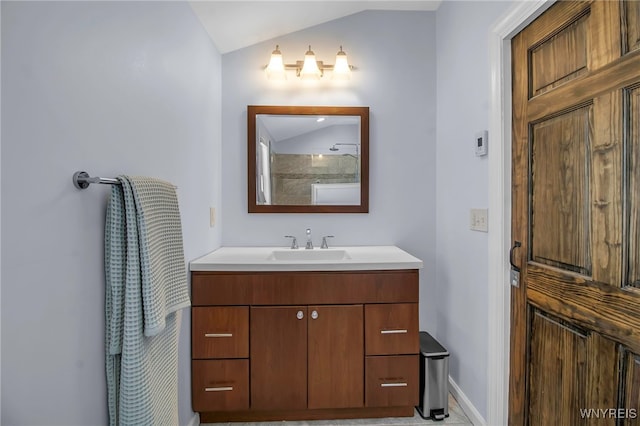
pixel 479 220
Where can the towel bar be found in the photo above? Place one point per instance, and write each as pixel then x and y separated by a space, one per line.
pixel 82 180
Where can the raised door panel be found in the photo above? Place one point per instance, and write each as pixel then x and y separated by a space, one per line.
pixel 219 332
pixel 220 385
pixel 278 351
pixel 631 409
pixel 559 362
pixel 392 381
pixel 560 58
pixel 571 370
pixel 560 205
pixel 391 329
pixel 336 356
pixel 633 107
pixel 631 24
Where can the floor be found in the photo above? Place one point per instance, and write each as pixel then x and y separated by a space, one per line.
pixel 456 417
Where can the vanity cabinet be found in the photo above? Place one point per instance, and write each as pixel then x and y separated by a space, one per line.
pixel 304 345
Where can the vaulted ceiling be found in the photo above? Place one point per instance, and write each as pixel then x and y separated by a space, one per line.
pixel 236 24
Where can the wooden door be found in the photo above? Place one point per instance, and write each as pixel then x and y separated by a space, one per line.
pixel 336 356
pixel 575 322
pixel 278 351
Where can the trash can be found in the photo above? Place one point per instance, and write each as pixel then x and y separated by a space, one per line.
pixel 434 378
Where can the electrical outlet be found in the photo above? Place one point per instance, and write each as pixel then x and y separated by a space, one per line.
pixel 479 220
pixel 212 217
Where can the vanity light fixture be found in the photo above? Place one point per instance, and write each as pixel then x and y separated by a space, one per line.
pixel 309 68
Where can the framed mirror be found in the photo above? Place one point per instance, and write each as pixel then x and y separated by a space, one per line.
pixel 308 159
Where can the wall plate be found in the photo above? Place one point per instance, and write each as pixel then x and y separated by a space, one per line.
pixel 479 220
pixel 481 143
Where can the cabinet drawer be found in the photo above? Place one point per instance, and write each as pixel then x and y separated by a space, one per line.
pixel 220 332
pixel 391 381
pixel 220 385
pixel 391 329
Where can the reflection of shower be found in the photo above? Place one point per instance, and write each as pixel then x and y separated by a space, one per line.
pixel 335 148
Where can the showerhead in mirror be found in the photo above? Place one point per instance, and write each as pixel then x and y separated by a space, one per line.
pixel 335 147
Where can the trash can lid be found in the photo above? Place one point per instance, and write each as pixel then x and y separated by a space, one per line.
pixel 430 346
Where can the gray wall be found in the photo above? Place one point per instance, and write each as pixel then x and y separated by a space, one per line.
pixel 396 76
pixel 112 88
pixel 462 184
pixel 124 87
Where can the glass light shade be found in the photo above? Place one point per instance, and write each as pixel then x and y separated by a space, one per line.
pixel 310 70
pixel 275 69
pixel 341 70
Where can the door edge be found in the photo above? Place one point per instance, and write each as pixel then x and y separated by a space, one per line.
pixel 499 239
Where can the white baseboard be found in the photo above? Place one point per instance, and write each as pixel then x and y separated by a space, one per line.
pixel 195 420
pixel 466 405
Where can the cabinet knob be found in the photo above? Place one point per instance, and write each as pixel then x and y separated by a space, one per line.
pixel 314 315
pixel 300 315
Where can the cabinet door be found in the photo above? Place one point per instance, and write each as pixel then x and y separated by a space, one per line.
pixel 336 356
pixel 278 357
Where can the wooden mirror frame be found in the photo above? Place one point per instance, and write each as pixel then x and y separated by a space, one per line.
pixel 362 112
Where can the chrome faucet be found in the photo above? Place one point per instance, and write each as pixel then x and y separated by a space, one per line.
pixel 294 242
pixel 309 245
pixel 324 241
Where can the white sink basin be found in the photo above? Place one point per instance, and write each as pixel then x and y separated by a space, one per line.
pixel 282 258
pixel 309 255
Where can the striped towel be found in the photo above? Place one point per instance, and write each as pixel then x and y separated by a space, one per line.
pixel 146 286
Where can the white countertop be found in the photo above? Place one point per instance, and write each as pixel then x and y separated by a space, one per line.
pixel 359 258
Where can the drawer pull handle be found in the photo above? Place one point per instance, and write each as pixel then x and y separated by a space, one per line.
pixel 393 385
pixel 219 389
pixel 218 335
pixel 393 331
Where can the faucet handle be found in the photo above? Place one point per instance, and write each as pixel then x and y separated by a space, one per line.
pixel 294 241
pixel 324 241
